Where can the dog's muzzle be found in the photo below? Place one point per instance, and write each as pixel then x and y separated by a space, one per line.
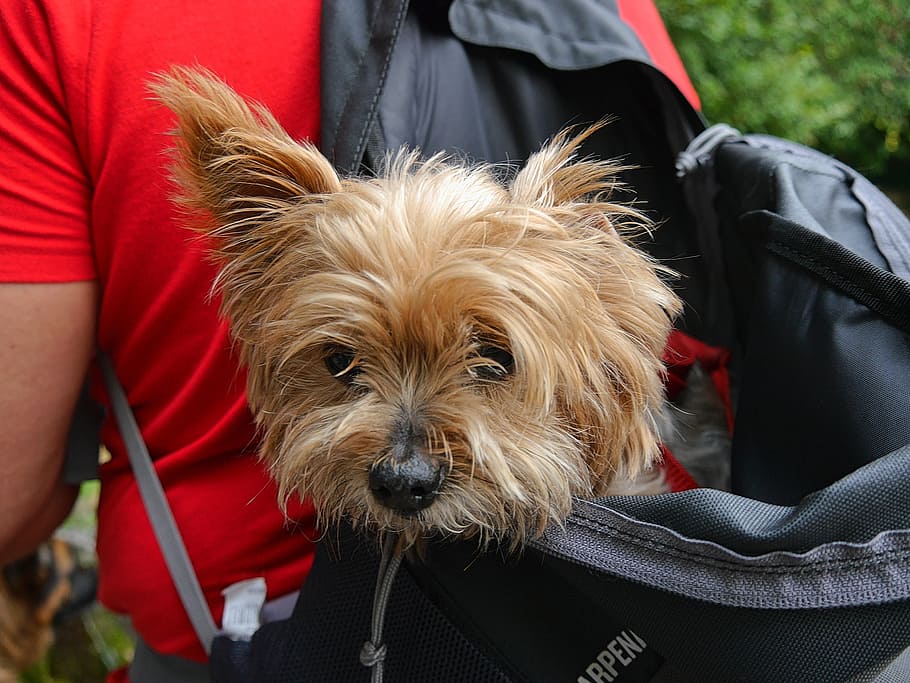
pixel 407 485
pixel 407 478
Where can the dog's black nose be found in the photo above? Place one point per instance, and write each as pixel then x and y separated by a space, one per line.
pixel 406 485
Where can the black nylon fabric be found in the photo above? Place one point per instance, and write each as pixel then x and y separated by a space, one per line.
pixel 581 34
pixel 854 510
pixel 839 268
pixel 821 321
pixel 687 639
pixel 321 641
pixel 860 203
pixel 462 615
pixel 81 461
pixel 357 41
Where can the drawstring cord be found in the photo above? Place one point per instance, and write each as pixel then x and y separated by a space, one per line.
pixel 373 652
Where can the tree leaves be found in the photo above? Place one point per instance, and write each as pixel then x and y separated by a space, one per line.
pixel 832 74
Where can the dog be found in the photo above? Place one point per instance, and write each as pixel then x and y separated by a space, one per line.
pixel 35 592
pixel 436 349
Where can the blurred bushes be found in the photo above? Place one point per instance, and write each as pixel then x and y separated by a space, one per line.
pixel 832 74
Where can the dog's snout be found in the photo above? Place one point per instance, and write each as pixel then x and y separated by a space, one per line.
pixel 406 485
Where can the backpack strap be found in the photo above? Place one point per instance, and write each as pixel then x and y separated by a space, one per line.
pixel 159 512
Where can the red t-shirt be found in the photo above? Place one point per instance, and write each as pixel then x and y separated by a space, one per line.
pixel 84 195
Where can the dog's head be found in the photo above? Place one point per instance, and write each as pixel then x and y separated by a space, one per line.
pixel 35 593
pixel 431 349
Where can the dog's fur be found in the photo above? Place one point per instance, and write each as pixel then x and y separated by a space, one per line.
pixel 502 340
pixel 33 591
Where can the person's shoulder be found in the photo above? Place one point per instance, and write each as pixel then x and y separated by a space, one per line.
pixel 45 41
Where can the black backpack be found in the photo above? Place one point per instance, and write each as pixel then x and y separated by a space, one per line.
pixel 790 260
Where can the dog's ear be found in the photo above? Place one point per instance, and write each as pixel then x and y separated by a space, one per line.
pixel 553 177
pixel 233 159
pixel 242 175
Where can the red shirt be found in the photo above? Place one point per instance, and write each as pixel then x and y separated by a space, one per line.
pixel 84 195
pixel 645 20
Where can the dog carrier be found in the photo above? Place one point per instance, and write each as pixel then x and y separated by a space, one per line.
pixel 788 259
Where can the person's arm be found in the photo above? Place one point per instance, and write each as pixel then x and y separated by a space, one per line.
pixel 47 334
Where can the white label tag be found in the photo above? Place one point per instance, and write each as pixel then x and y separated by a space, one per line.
pixel 242 603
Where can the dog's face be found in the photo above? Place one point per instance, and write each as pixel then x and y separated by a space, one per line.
pixel 428 350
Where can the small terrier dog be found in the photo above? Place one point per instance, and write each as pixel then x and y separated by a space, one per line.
pixel 36 592
pixel 433 350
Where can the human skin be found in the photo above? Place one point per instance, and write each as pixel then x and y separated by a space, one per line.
pixel 47 338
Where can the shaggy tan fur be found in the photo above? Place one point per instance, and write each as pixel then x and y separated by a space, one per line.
pixel 430 279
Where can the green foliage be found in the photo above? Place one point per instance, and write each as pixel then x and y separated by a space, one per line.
pixel 832 74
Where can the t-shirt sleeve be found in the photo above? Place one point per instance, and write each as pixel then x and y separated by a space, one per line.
pixel 44 188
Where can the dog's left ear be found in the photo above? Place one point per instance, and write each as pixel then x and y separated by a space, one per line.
pixel 234 160
pixel 553 177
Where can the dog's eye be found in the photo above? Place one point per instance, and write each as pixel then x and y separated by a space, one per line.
pixel 497 363
pixel 342 363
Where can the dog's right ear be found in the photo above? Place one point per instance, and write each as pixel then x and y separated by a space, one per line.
pixel 234 160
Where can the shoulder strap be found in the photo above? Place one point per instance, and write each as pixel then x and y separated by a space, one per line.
pixel 159 512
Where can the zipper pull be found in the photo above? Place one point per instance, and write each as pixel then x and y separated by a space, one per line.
pixel 700 151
